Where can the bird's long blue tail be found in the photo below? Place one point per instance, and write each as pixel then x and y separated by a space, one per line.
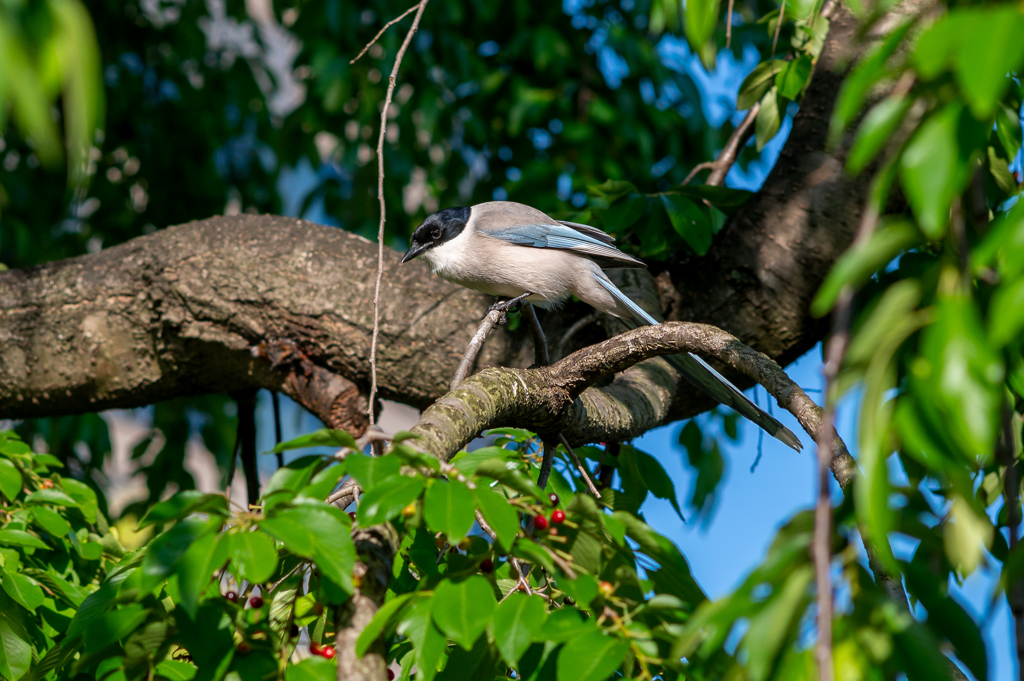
pixel 702 375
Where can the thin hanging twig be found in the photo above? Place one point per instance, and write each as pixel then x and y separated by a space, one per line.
pixel 728 25
pixel 582 469
pixel 778 26
pixel 383 210
pixel 386 27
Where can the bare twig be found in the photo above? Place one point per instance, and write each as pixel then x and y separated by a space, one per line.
pixel 540 343
pixel 276 401
pixel 545 465
pixel 728 26
pixel 386 27
pixel 727 157
pixel 583 471
pixel 522 580
pixel 732 149
pixel 383 210
pixel 778 27
pixel 473 349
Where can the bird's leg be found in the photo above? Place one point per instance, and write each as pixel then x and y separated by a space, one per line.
pixel 508 306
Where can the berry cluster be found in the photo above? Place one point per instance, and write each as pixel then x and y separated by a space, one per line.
pixel 327 652
pixel 541 522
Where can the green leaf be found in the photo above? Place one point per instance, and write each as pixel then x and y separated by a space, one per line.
pixel 769 118
pixel 689 221
pixel 467 462
pixel 15 651
pixel 253 555
pixel 958 379
pixel 324 437
pixel 10 479
pixel 878 126
pixel 990 47
pixel 370 470
pixel 195 572
pixel 323 483
pixel 84 496
pixel 624 213
pixel 313 668
pixel 387 499
pixel 51 521
pixel 448 508
pixel 429 644
pixel 701 19
pixel 287 480
pixel 1006 312
pixel 610 190
pixel 463 609
pixel 757 83
pixel 499 514
pixel 511 478
pixel 862 78
pixel 725 199
pixel 51 497
pixel 1000 170
pixel 947 617
pixel 774 624
pixel 858 264
pixel 176 670
pixel 564 625
pixel 792 78
pixel 166 550
pixel 532 552
pixel 184 504
pixel 675 571
pixel 936 165
pixel 656 479
pixel 381 621
pixel 590 657
pixel 20 538
pixel 1008 130
pixel 936 48
pixel 319 531
pixel 113 625
pixel 24 590
pixel 515 622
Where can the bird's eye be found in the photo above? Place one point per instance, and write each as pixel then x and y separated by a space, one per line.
pixel 436 234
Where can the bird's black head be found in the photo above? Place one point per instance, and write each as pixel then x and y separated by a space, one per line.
pixel 442 226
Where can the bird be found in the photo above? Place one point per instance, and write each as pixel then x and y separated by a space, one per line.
pixel 511 250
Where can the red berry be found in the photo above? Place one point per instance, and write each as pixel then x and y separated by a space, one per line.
pixel 314 648
pixel 255 602
pixel 540 522
pixel 327 652
pixel 352 515
pixel 554 499
pixel 231 596
pixel 487 566
pixel 558 516
pixel 391 675
pixel 244 647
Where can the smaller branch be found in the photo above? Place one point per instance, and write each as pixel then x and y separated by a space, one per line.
pixel 540 343
pixel 523 581
pixel 383 210
pixel 577 326
pixel 728 27
pixel 732 149
pixel 545 465
pixel 346 494
pixel 473 349
pixel 778 27
pixel 706 165
pixel 276 401
pixel 580 466
pixel 386 27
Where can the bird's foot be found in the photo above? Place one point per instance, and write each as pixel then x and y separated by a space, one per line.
pixel 506 306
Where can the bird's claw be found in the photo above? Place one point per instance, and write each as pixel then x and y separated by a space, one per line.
pixel 506 306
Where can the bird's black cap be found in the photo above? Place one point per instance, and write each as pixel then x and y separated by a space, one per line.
pixel 442 226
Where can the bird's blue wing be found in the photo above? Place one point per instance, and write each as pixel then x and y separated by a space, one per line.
pixel 564 237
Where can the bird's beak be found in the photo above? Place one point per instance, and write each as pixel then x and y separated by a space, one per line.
pixel 413 251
